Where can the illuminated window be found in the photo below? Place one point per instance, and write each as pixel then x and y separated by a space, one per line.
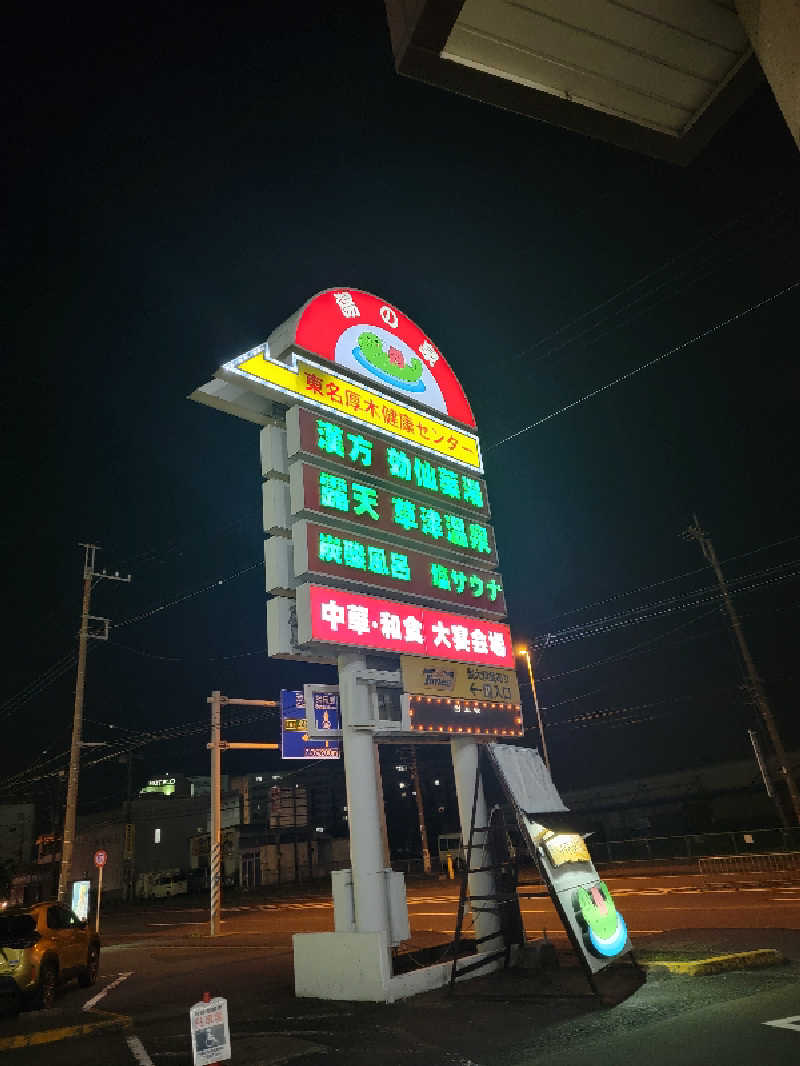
pixel 472 491
pixel 330 438
pixel 333 491
pixel 156 836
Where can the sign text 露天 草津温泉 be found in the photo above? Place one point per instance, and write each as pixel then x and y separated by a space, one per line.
pixel 324 492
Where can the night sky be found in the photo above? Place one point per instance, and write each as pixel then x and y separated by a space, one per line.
pixel 182 180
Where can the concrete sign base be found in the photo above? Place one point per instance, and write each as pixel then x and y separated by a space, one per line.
pixel 357 966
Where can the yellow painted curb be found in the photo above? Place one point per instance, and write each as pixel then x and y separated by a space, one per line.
pixel 719 963
pixel 66 1032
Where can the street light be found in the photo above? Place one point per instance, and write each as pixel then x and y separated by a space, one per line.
pixel 524 651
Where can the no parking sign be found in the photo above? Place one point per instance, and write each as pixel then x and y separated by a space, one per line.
pixel 211 1037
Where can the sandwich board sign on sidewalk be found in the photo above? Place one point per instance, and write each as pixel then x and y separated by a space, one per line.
pixel 211 1036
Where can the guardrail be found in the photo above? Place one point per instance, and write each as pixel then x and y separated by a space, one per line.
pixel 694 846
pixel 784 864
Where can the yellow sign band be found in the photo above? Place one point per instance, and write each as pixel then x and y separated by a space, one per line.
pixel 310 383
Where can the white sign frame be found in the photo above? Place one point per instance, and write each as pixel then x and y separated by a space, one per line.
pixel 204 1054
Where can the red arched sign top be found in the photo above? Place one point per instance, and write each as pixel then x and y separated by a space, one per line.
pixel 367 335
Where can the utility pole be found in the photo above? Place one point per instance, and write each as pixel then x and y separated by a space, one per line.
pixel 68 840
pixel 755 684
pixel 423 832
pixel 216 746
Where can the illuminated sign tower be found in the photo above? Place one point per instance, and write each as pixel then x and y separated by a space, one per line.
pixel 378 543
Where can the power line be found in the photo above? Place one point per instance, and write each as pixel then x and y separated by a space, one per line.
pixel 669 580
pixel 644 366
pixel 659 608
pixel 186 596
pixel 671 261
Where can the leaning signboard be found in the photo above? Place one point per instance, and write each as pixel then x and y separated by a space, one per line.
pixel 581 898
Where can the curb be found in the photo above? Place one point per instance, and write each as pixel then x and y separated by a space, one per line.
pixel 742 960
pixel 65 1032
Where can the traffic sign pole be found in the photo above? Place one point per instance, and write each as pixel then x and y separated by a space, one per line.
pixel 99 894
pixel 100 859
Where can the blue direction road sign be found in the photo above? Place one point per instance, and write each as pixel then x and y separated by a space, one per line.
pixel 295 741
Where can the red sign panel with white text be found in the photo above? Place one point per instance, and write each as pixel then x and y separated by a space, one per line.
pixel 335 616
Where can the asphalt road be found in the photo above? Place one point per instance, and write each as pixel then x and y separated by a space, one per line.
pixel 157 960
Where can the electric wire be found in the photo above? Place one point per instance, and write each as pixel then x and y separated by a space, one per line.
pixel 676 577
pixel 645 366
pixel 714 235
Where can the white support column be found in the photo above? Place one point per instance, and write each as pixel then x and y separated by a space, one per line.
pixel 465 765
pixel 363 801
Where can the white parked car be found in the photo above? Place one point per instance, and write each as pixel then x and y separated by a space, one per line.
pixel 161 885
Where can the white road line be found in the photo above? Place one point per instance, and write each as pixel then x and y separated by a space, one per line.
pixel 104 992
pixel 174 925
pixel 792 1022
pixel 138 1051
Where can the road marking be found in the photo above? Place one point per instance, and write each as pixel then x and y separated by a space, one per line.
pixel 104 992
pixel 67 1032
pixel 138 1051
pixel 792 1022
pixel 174 925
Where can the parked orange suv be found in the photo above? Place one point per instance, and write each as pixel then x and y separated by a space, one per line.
pixel 40 947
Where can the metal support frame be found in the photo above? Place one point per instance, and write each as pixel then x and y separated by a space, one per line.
pixel 503 898
pixel 216 746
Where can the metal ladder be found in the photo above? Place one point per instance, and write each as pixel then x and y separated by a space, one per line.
pixel 504 901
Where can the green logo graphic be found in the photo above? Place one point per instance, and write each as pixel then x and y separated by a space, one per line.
pixel 604 926
pixel 389 366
